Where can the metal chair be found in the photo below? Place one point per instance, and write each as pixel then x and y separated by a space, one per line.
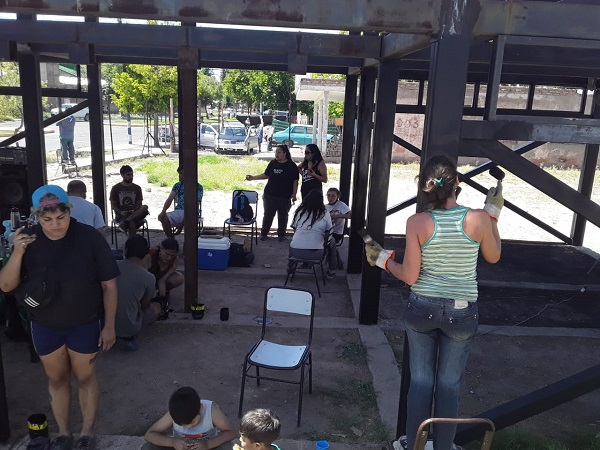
pixel 114 230
pixel 200 227
pixel 252 223
pixel 309 264
pixel 71 169
pixel 276 351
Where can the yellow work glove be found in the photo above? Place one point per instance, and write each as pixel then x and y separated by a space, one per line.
pixel 378 256
pixel 494 201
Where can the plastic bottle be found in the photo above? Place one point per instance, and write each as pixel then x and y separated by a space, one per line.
pixel 15 218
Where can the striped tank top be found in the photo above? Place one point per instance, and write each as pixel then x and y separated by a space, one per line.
pixel 449 259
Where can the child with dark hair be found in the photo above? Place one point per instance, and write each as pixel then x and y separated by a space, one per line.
pixel 196 424
pixel 164 261
pixel 259 428
pixel 313 170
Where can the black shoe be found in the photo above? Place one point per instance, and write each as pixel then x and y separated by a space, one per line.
pixel 282 239
pixel 263 237
pixel 62 443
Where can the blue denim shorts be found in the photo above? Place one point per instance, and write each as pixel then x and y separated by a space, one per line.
pixel 427 314
pixel 80 339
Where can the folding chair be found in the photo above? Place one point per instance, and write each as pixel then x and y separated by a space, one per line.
pixel 71 169
pixel 114 230
pixel 287 353
pixel 229 222
pixel 309 264
pixel 200 227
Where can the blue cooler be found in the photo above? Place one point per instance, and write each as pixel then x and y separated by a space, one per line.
pixel 213 252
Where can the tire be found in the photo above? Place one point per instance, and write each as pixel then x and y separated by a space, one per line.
pixel 249 150
pixel 289 143
pixel 86 117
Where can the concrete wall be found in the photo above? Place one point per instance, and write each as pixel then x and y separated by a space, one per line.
pixel 410 126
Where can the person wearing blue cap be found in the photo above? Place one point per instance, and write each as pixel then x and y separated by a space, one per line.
pixel 78 320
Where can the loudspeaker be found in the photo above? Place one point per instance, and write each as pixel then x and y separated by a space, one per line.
pixel 14 190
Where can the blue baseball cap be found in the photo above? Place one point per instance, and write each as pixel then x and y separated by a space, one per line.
pixel 57 191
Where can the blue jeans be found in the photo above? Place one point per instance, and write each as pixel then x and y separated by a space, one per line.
pixel 439 342
pixel 68 150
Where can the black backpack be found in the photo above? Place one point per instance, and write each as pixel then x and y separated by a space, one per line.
pixel 238 257
pixel 242 210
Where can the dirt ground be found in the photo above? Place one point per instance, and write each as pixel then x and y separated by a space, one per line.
pixel 208 354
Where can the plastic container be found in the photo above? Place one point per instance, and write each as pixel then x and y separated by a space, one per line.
pixel 213 252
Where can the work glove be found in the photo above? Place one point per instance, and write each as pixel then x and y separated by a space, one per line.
pixel 378 256
pixel 494 201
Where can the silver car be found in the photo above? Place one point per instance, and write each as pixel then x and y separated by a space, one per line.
pixel 206 135
pixel 236 139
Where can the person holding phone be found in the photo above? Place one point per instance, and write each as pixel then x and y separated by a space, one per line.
pixel 313 170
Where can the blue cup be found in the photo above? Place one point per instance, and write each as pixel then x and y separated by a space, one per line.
pixel 322 445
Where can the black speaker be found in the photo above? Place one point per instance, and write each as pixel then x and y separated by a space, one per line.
pixel 14 190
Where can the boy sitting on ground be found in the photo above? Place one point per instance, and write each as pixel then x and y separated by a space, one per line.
pixel 258 429
pixel 196 424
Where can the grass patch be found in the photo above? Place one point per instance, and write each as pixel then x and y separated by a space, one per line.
pixel 215 172
pixel 354 352
pixel 516 439
pixel 353 409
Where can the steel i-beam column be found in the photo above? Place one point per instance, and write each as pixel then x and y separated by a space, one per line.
pixel 366 106
pixel 29 74
pixel 379 181
pixel 586 179
pixel 348 137
pixel 97 137
pixel 188 131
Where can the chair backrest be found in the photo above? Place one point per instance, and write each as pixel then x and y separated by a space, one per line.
pixel 291 301
pixel 252 197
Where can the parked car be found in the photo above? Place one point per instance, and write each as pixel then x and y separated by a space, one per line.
pixel 206 135
pixel 83 114
pixel 296 135
pixel 236 139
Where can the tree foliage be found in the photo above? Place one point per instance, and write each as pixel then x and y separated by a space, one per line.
pixel 272 89
pixel 143 89
pixel 11 106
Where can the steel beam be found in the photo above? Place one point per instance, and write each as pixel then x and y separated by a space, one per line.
pixel 379 182
pixel 350 109
pixel 577 131
pixel 366 107
pixel 188 131
pixel 97 137
pixel 29 74
pixel 586 177
pixel 541 180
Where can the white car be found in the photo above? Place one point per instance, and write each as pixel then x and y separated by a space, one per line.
pixel 83 114
pixel 234 139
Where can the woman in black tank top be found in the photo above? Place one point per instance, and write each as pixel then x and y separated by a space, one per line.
pixel 313 170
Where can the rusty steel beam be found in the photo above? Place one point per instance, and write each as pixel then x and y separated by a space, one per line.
pixel 517 17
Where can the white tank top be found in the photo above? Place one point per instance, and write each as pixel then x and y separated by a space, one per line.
pixel 204 430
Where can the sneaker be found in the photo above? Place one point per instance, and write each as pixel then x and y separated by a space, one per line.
pixel 62 443
pixel 129 345
pixel 401 443
pixel 39 443
pixel 263 237
pixel 330 275
pixel 85 443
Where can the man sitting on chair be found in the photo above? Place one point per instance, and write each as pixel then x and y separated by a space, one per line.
pixel 126 202
pixel 84 211
pixel 174 219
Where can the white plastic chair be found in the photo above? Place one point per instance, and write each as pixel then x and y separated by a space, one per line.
pixel 274 354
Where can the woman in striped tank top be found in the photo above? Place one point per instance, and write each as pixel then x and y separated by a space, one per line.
pixel 440 264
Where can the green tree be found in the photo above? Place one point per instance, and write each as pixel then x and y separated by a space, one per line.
pixel 143 89
pixel 209 90
pixel 11 106
pixel 252 88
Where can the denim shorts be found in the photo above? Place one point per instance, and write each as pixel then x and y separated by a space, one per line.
pixel 80 339
pixel 428 314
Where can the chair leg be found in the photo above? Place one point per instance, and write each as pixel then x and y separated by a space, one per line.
pixel 257 376
pixel 316 280
pixel 323 273
pixel 300 393
pixel 243 388
pixel 309 372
